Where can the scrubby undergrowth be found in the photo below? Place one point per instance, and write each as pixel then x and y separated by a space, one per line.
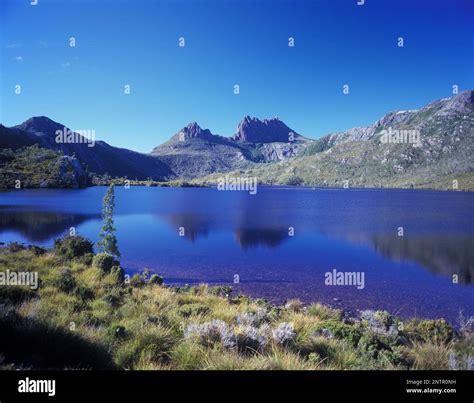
pixel 86 315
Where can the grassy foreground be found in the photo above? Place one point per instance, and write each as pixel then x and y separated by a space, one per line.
pixel 86 315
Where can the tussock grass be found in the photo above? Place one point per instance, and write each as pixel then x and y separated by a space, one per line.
pixel 86 318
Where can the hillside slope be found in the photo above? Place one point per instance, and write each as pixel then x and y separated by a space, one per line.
pixel 100 158
pixel 36 167
pixel 444 152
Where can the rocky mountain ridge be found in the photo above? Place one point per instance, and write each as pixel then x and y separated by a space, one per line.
pixel 275 153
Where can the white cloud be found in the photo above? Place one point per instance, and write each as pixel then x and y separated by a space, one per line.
pixel 18 59
pixel 65 65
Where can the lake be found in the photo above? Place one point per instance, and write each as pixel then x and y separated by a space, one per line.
pixel 231 235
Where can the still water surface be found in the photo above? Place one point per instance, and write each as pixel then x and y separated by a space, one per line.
pixel 235 233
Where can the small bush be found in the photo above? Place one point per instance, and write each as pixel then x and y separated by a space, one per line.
pixel 461 361
pixel 84 293
pixel 435 331
pixel 380 322
pixel 156 279
pixel 252 339
pixel 371 345
pixel 220 291
pixel 284 334
pixel 137 281
pixel 210 334
pixel 430 331
pixel 87 259
pixel 71 247
pixel 114 297
pixel 255 319
pixel 104 262
pixel 339 330
pixel 117 331
pixel 65 281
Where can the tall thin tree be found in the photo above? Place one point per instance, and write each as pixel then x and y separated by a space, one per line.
pixel 108 239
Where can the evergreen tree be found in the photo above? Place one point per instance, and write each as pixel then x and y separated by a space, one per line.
pixel 108 240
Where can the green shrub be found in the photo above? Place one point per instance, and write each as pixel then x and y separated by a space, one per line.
pixel 341 330
pixel 87 259
pixel 384 318
pixel 117 331
pixel 104 262
pixel 261 301
pixel 71 247
pixel 220 291
pixel 370 344
pixel 436 331
pixel 397 356
pixel 84 293
pixel 137 281
pixel 430 331
pixel 114 297
pixel 65 281
pixel 156 279
pixel 183 290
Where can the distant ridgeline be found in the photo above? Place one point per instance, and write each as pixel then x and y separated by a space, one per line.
pixel 432 147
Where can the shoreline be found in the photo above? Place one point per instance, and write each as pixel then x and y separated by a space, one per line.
pixel 213 185
pixel 86 306
pixel 275 302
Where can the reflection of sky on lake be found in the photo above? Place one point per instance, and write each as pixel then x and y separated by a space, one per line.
pixel 228 233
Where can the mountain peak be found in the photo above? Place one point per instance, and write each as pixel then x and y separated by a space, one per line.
pixel 193 126
pixel 193 130
pixel 40 120
pixel 254 130
pixel 40 125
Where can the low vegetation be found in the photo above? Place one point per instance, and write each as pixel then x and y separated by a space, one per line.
pixel 36 167
pixel 106 180
pixel 87 314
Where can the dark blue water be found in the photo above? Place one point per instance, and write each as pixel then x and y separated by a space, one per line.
pixel 235 233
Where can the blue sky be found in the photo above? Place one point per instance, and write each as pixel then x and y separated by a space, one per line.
pixel 228 42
